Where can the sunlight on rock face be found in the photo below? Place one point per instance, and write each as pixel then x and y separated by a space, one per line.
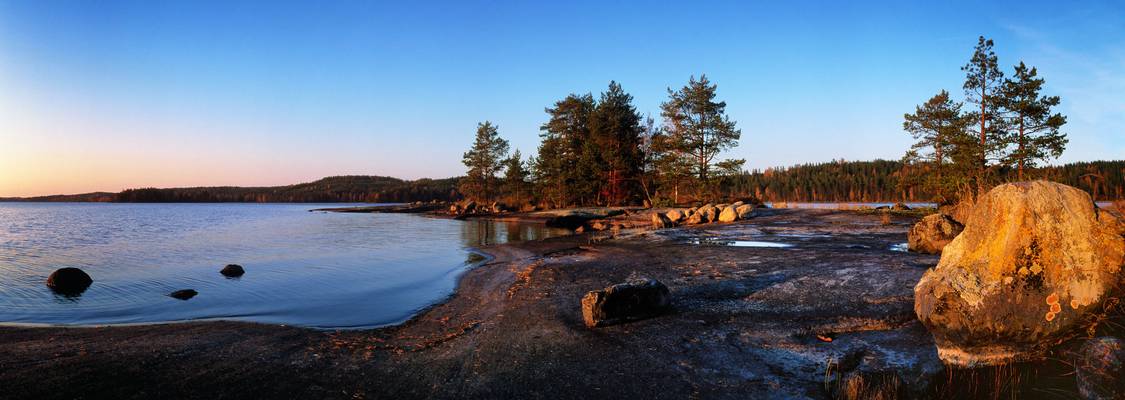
pixel 1027 249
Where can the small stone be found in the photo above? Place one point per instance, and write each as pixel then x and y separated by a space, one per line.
pixel 232 271
pixel 183 294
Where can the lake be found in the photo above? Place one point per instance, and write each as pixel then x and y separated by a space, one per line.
pixel 313 269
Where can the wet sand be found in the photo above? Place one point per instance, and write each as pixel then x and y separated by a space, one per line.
pixel 748 322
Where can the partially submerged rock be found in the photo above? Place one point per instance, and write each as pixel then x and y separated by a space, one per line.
pixel 661 221
pixel 232 271
pixel 637 299
pixel 901 207
pixel 69 281
pixel 1100 369
pixel 1034 264
pixel 933 233
pixel 183 294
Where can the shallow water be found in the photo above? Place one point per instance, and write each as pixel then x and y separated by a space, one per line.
pixel 324 270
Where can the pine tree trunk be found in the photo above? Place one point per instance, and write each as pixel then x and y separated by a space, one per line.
pixel 1021 153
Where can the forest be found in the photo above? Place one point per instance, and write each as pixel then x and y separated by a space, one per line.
pixel 602 151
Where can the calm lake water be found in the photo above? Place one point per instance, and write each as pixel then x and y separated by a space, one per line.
pixel 315 269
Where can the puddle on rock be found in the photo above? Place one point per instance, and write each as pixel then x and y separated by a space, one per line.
pixel 737 243
pixel 900 247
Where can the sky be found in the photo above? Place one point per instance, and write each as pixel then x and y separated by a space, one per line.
pixel 109 95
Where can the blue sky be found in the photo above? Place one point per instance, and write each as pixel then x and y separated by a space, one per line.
pixel 108 95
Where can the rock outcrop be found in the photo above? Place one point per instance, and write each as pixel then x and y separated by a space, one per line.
pixel 232 271
pixel 1032 267
pixel 69 281
pixel 933 233
pixel 637 299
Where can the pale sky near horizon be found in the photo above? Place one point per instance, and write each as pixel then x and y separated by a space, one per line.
pixel 108 95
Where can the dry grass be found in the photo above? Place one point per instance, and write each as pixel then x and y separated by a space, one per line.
pixel 1119 205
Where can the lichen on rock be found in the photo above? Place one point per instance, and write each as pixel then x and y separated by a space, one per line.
pixel 1027 248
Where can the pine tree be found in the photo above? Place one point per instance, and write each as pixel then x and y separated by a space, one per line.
pixel 484 159
pixel 563 173
pixel 938 126
pixel 698 127
pixel 615 127
pixel 1037 130
pixel 515 179
pixel 983 85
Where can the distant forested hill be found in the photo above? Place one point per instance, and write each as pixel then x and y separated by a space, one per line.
pixel 373 189
pixel 879 180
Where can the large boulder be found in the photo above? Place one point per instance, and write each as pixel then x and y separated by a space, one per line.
pixel 69 281
pixel 959 212
pixel 675 215
pixel 1100 369
pixel 1032 267
pixel 745 211
pixel 637 299
pixel 729 214
pixel 569 221
pixel 695 219
pixel 710 214
pixel 933 233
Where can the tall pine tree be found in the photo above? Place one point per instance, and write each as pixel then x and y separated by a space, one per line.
pixel 484 159
pixel 615 127
pixel 1037 135
pixel 937 126
pixel 983 88
pixel 697 126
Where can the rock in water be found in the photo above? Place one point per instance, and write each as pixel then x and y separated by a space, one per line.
pixel 660 221
pixel 1034 264
pixel 901 207
pixel 69 281
pixel 232 271
pixel 695 219
pixel 636 299
pixel 728 215
pixel 933 233
pixel 1100 369
pixel 183 294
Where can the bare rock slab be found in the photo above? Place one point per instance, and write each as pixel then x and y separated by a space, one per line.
pixel 1033 266
pixel 637 299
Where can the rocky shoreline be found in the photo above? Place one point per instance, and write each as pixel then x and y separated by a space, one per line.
pixel 787 304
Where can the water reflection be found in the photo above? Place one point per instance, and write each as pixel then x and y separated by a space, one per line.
pixel 322 270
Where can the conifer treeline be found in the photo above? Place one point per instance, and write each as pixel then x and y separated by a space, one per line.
pixel 881 181
pixel 371 189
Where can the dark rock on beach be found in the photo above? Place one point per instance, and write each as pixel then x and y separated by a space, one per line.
pixel 637 299
pixel 183 294
pixel 69 281
pixel 232 271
